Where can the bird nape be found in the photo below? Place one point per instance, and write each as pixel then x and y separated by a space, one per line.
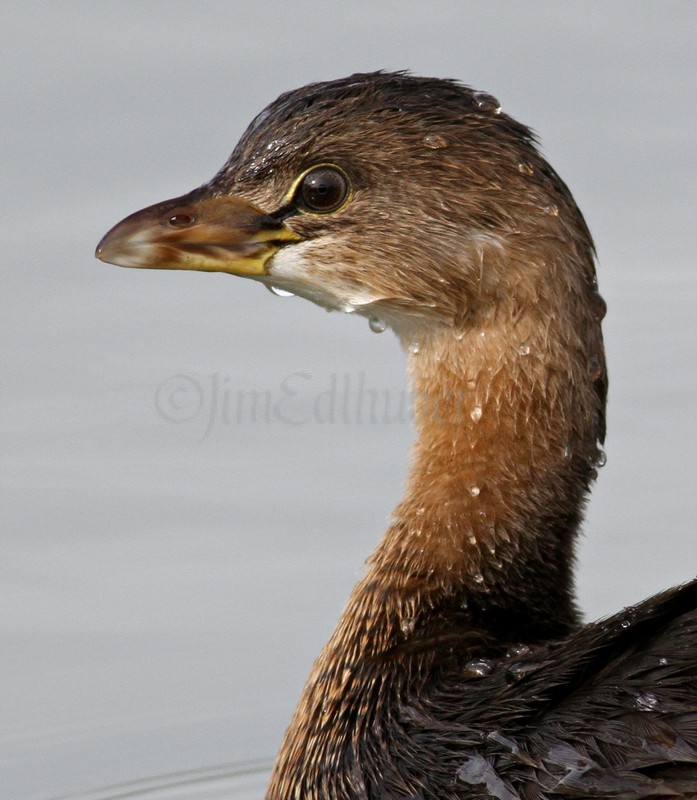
pixel 459 667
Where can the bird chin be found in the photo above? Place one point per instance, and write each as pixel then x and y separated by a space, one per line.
pixel 331 298
pixel 290 269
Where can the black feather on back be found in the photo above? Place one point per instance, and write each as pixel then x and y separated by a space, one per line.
pixel 610 711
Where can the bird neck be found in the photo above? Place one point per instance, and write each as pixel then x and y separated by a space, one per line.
pixel 503 457
pixel 478 555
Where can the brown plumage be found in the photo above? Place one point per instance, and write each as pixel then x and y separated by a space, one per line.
pixel 459 668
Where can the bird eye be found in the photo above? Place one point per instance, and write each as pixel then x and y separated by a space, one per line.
pixel 180 220
pixel 322 190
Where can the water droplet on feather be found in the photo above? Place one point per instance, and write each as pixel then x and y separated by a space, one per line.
pixel 595 368
pixel 279 292
pixel 646 701
pixel 478 668
pixel 435 141
pixel 408 625
pixel 599 306
pixel 518 671
pixel 518 650
pixel 487 102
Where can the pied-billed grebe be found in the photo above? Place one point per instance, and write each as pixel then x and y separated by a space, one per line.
pixel 459 667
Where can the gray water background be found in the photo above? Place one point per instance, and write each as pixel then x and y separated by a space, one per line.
pixel 164 587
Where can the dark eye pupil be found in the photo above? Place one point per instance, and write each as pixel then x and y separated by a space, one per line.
pixel 323 189
pixel 180 220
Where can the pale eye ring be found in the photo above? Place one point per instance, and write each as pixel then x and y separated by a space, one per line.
pixel 322 190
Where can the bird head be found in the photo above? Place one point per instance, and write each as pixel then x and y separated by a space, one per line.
pixel 415 200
